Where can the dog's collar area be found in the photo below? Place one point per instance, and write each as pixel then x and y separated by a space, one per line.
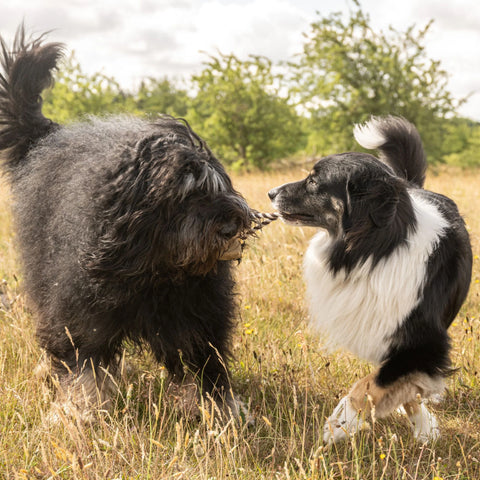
pixel 234 249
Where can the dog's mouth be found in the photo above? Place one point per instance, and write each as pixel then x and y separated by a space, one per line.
pixel 297 218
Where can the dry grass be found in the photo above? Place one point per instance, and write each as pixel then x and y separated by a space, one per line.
pixel 279 368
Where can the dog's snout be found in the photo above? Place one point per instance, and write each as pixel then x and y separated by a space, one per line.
pixel 273 193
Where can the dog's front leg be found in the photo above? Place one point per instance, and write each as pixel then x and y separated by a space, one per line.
pixel 343 422
pixel 215 384
pixel 352 411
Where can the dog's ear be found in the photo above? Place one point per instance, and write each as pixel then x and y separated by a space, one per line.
pixel 382 202
pixel 348 200
pixel 127 207
pixel 372 200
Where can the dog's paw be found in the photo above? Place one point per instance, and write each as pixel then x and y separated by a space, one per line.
pixel 225 409
pixel 425 425
pixel 66 412
pixel 343 422
pixel 240 411
pixel 185 397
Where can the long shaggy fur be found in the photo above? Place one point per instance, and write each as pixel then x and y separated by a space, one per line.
pixel 126 229
pixel 389 269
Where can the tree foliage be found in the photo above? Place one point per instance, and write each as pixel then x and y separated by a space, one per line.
pixel 76 94
pixel 348 71
pixel 461 143
pixel 157 96
pixel 240 111
pixel 251 115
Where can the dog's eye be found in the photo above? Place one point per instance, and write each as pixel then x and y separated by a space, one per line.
pixel 229 230
pixel 311 184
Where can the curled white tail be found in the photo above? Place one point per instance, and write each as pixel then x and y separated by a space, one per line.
pixel 399 144
pixel 368 135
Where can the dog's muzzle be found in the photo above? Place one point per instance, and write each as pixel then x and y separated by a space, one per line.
pixel 235 246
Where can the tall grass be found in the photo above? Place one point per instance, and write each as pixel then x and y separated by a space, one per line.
pixel 280 370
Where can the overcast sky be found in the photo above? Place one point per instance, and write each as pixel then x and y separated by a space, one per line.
pixel 132 39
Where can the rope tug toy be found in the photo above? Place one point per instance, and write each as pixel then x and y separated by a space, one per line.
pixel 260 220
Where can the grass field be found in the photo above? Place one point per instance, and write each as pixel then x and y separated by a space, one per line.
pixel 280 369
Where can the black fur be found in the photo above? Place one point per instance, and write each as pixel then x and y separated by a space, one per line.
pixel 421 343
pixel 27 72
pixel 122 226
pixel 356 198
pixel 366 206
pixel 403 150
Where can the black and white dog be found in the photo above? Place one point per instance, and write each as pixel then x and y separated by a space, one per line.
pixel 387 272
pixel 127 229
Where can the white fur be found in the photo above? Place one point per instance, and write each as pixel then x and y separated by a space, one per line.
pixel 425 425
pixel 211 180
pixel 189 184
pixel 360 311
pixel 208 179
pixel 368 135
pixel 345 420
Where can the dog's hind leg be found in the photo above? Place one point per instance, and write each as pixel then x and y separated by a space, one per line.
pixel 82 377
pixel 367 399
pixel 80 394
pixel 424 423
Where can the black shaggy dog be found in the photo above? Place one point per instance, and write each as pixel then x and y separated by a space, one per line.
pixel 127 229
pixel 387 272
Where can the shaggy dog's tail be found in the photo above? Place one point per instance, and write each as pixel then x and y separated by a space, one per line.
pixel 27 70
pixel 399 144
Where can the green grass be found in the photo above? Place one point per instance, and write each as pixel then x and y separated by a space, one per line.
pixel 280 369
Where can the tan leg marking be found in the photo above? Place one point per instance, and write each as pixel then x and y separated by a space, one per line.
pixel 367 399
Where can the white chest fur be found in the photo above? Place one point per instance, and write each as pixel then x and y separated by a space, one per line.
pixel 361 311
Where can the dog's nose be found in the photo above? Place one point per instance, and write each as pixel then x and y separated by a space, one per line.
pixel 273 193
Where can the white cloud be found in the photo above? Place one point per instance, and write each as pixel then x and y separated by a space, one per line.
pixel 132 39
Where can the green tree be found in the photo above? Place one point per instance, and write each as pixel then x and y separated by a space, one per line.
pixel 239 110
pixel 461 144
pixel 161 96
pixel 76 93
pixel 348 72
